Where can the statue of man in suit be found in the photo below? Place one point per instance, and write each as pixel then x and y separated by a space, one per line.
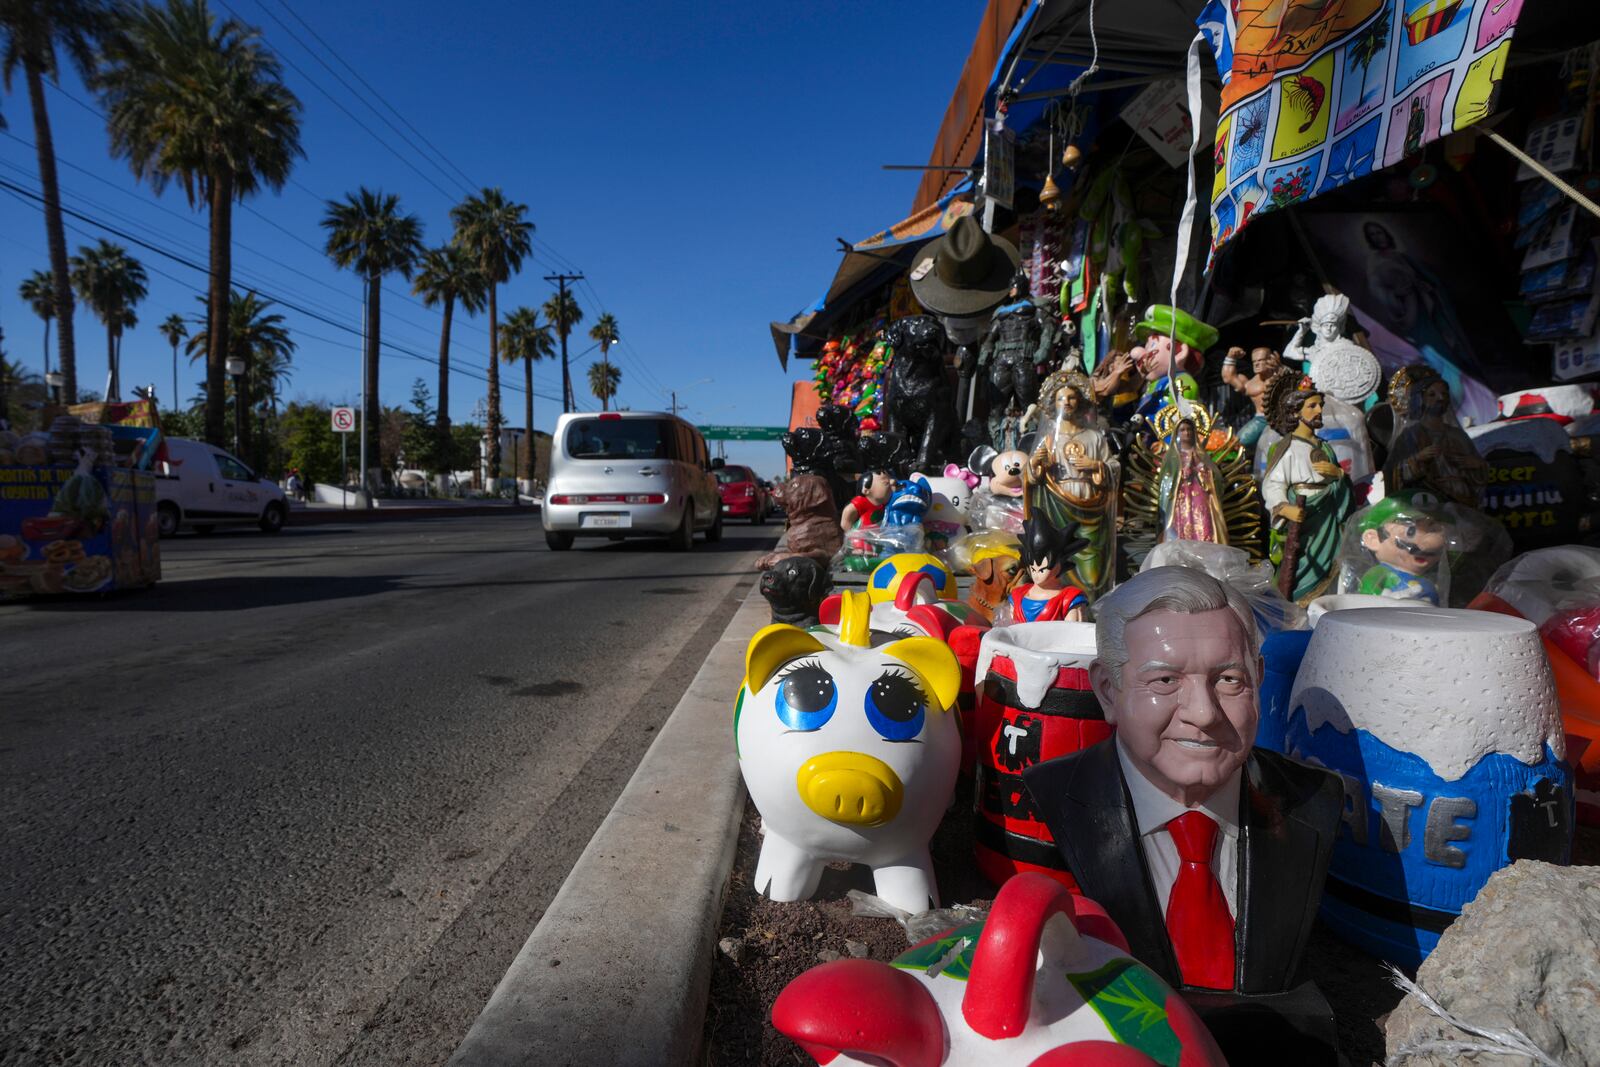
pixel 1210 854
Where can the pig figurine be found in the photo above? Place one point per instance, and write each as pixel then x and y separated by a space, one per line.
pixel 849 752
pixel 1045 981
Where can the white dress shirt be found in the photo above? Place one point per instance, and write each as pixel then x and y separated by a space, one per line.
pixel 1153 809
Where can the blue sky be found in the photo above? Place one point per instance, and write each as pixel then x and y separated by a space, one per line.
pixel 694 161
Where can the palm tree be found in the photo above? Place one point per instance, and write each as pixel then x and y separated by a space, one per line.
pixel 368 234
pixel 564 313
pixel 527 340
pixel 448 275
pixel 174 329
pixel 257 336
pixel 20 390
pixel 111 282
pixel 496 233
pixel 30 32
pixel 604 330
pixel 40 293
pixel 203 103
pixel 603 381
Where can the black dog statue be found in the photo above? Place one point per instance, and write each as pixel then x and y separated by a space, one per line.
pixel 839 454
pixel 918 403
pixel 795 588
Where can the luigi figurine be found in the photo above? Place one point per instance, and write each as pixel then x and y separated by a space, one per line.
pixel 1406 542
pixel 1169 338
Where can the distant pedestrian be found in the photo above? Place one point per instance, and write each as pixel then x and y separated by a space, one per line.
pixel 296 491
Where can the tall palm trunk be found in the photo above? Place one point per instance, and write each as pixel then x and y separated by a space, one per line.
pixel 441 418
pixel 527 413
pixel 174 376
pixel 54 232
pixel 605 363
pixel 217 306
pixel 113 386
pixel 47 347
pixel 494 387
pixel 369 409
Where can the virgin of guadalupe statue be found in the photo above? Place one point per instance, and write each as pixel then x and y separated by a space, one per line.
pixel 1072 478
pixel 1191 508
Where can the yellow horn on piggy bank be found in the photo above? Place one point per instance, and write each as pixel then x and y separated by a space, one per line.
pixel 851 788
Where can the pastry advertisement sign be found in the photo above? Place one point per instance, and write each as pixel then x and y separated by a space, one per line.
pixel 1318 93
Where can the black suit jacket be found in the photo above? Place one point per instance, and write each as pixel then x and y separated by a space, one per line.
pixel 1289 813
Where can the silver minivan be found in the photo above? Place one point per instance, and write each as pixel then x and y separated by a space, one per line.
pixel 620 474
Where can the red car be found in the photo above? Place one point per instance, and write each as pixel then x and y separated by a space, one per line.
pixel 742 494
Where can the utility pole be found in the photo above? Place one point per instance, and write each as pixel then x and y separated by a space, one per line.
pixel 674 402
pixel 566 374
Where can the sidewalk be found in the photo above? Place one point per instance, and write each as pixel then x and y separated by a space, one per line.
pixel 618 969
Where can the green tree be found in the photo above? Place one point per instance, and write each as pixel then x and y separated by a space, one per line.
pixel 202 103
pixel 448 276
pixel 30 33
pixel 421 438
pixel 564 314
pixel 22 394
pixel 495 232
pixel 257 336
pixel 603 381
pixel 368 233
pixel 174 329
pixel 604 331
pixel 111 283
pixel 526 340
pixel 309 443
pixel 38 291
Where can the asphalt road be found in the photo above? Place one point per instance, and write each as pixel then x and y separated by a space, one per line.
pixel 302 802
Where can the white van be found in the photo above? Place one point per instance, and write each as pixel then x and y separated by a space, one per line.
pixel 202 487
pixel 624 474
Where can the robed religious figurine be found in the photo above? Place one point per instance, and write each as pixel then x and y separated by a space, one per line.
pixel 1191 507
pixel 1189 479
pixel 1072 478
pixel 1430 449
pixel 1305 491
pixel 1209 853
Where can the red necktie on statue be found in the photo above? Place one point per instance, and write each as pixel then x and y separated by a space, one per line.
pixel 1198 920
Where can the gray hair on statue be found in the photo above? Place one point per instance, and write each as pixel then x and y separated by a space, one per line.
pixel 1180 589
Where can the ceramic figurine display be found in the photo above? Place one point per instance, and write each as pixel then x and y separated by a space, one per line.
pixel 866 507
pixel 995 567
pixel 811 518
pixel 1306 492
pixel 1042 594
pixel 849 752
pixel 1397 548
pixel 1073 478
pixel 839 456
pixel 1044 980
pixel 996 502
pixel 794 588
pixel 883 584
pixel 946 518
pixel 1342 369
pixel 1021 336
pixel 1445 727
pixel 1430 450
pixel 917 403
pixel 1264 365
pixel 1189 480
pixel 1171 341
pixel 1033 703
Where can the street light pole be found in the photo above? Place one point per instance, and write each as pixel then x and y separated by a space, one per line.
pixel 235 368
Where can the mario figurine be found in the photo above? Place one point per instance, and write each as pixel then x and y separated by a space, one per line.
pixel 1046 553
pixel 1407 543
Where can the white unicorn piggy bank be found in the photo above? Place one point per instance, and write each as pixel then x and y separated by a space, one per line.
pixel 849 752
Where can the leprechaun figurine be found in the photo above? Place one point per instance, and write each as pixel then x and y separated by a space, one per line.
pixel 1171 342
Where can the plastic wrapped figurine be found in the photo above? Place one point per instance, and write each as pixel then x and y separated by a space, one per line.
pixel 866 507
pixel 1044 596
pixel 1072 475
pixel 1234 567
pixel 946 518
pixel 1191 502
pixel 1208 852
pixel 1305 491
pixel 1021 336
pixel 849 752
pixel 917 403
pixel 994 559
pixel 1189 480
pixel 1430 450
pixel 1045 979
pixel 1397 548
pixel 996 502
pixel 1264 364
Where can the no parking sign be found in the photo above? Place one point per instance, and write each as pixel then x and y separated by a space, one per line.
pixel 344 420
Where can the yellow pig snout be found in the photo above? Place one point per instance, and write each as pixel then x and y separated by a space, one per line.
pixel 851 788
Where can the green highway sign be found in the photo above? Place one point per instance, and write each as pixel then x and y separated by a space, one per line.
pixel 742 433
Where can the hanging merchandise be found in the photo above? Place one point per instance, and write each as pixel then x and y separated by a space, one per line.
pixel 1390 76
pixel 848 373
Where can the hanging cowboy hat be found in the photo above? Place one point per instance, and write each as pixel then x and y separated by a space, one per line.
pixel 965 272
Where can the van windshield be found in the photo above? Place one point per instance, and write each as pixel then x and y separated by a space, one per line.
pixel 619 439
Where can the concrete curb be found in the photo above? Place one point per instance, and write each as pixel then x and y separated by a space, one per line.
pixel 329 516
pixel 618 969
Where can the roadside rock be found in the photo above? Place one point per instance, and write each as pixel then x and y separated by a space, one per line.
pixel 1526 955
pixel 732 948
pixel 857 949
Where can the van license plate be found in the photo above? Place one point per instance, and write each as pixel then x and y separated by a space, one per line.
pixel 598 522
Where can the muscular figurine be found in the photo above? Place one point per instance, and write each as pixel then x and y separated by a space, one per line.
pixel 1264 364
pixel 1021 336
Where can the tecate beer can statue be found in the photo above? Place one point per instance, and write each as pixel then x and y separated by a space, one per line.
pixel 1445 727
pixel 1045 981
pixel 849 752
